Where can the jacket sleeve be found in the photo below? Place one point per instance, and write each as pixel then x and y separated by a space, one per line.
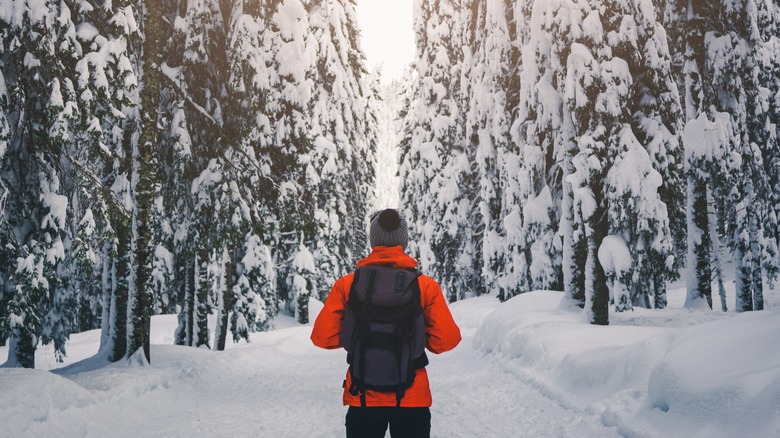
pixel 443 333
pixel 327 326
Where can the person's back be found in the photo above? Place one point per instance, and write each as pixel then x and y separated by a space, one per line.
pixel 371 411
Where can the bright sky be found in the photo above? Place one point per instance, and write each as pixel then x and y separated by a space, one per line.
pixel 387 35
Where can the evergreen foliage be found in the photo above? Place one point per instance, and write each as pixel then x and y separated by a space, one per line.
pixel 725 80
pixel 189 193
pixel 442 162
pixel 67 91
pixel 206 157
pixel 573 131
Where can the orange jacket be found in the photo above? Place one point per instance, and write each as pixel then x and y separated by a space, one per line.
pixel 443 333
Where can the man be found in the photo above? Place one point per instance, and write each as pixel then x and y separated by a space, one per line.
pixel 370 412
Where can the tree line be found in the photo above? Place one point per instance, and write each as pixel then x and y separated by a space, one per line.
pixel 537 130
pixel 189 157
pixel 218 157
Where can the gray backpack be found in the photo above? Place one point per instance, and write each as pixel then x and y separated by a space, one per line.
pixel 384 330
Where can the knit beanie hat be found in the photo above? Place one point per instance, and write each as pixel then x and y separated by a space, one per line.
pixel 388 228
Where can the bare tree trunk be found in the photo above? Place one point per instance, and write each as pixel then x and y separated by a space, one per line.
pixel 227 298
pixel 146 168
pixel 201 329
pixel 700 277
pixel 118 323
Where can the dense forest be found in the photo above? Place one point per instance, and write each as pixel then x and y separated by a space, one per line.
pixel 597 147
pixel 177 156
pixel 219 157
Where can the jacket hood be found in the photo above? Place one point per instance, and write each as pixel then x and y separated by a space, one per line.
pixel 390 256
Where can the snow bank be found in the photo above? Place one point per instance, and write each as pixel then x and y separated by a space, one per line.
pixel 655 377
pixel 720 379
pixel 251 389
pixel 38 396
pixel 539 370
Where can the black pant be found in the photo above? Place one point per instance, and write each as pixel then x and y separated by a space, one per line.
pixel 404 422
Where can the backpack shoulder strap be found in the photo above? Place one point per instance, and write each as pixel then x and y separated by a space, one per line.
pixel 355 280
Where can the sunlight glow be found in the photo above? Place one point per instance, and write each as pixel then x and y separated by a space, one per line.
pixel 387 35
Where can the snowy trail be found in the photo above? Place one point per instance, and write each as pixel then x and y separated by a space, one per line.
pixel 477 396
pixel 280 385
pixel 670 373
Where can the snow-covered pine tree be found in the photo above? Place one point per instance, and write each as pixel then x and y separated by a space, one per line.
pixel 640 84
pixel 226 193
pixel 288 146
pixel 208 226
pixel 686 28
pixel 657 122
pixel 380 130
pixel 411 177
pixel 489 64
pixel 545 133
pixel 254 306
pixel 74 88
pixel 106 85
pixel 342 155
pixel 266 178
pixel 6 257
pixel 145 179
pixel 82 276
pixel 636 211
pixel 727 58
pixel 248 200
pixel 706 144
pixel 38 269
pixel 724 53
pixel 71 303
pixel 439 190
pixel 108 74
pixel 36 109
pixel 211 212
pixel 580 109
pixel 389 125
pixel 752 104
pixel 531 182
pixel 254 111
pixel 190 90
pixel 175 217
pixel 117 274
pixel 41 113
pixel 302 282
pixel 515 173
pixel 365 114
pixel 540 251
pixel 768 62
pixel 639 217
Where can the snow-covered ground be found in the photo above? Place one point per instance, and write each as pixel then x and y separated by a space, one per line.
pixel 525 368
